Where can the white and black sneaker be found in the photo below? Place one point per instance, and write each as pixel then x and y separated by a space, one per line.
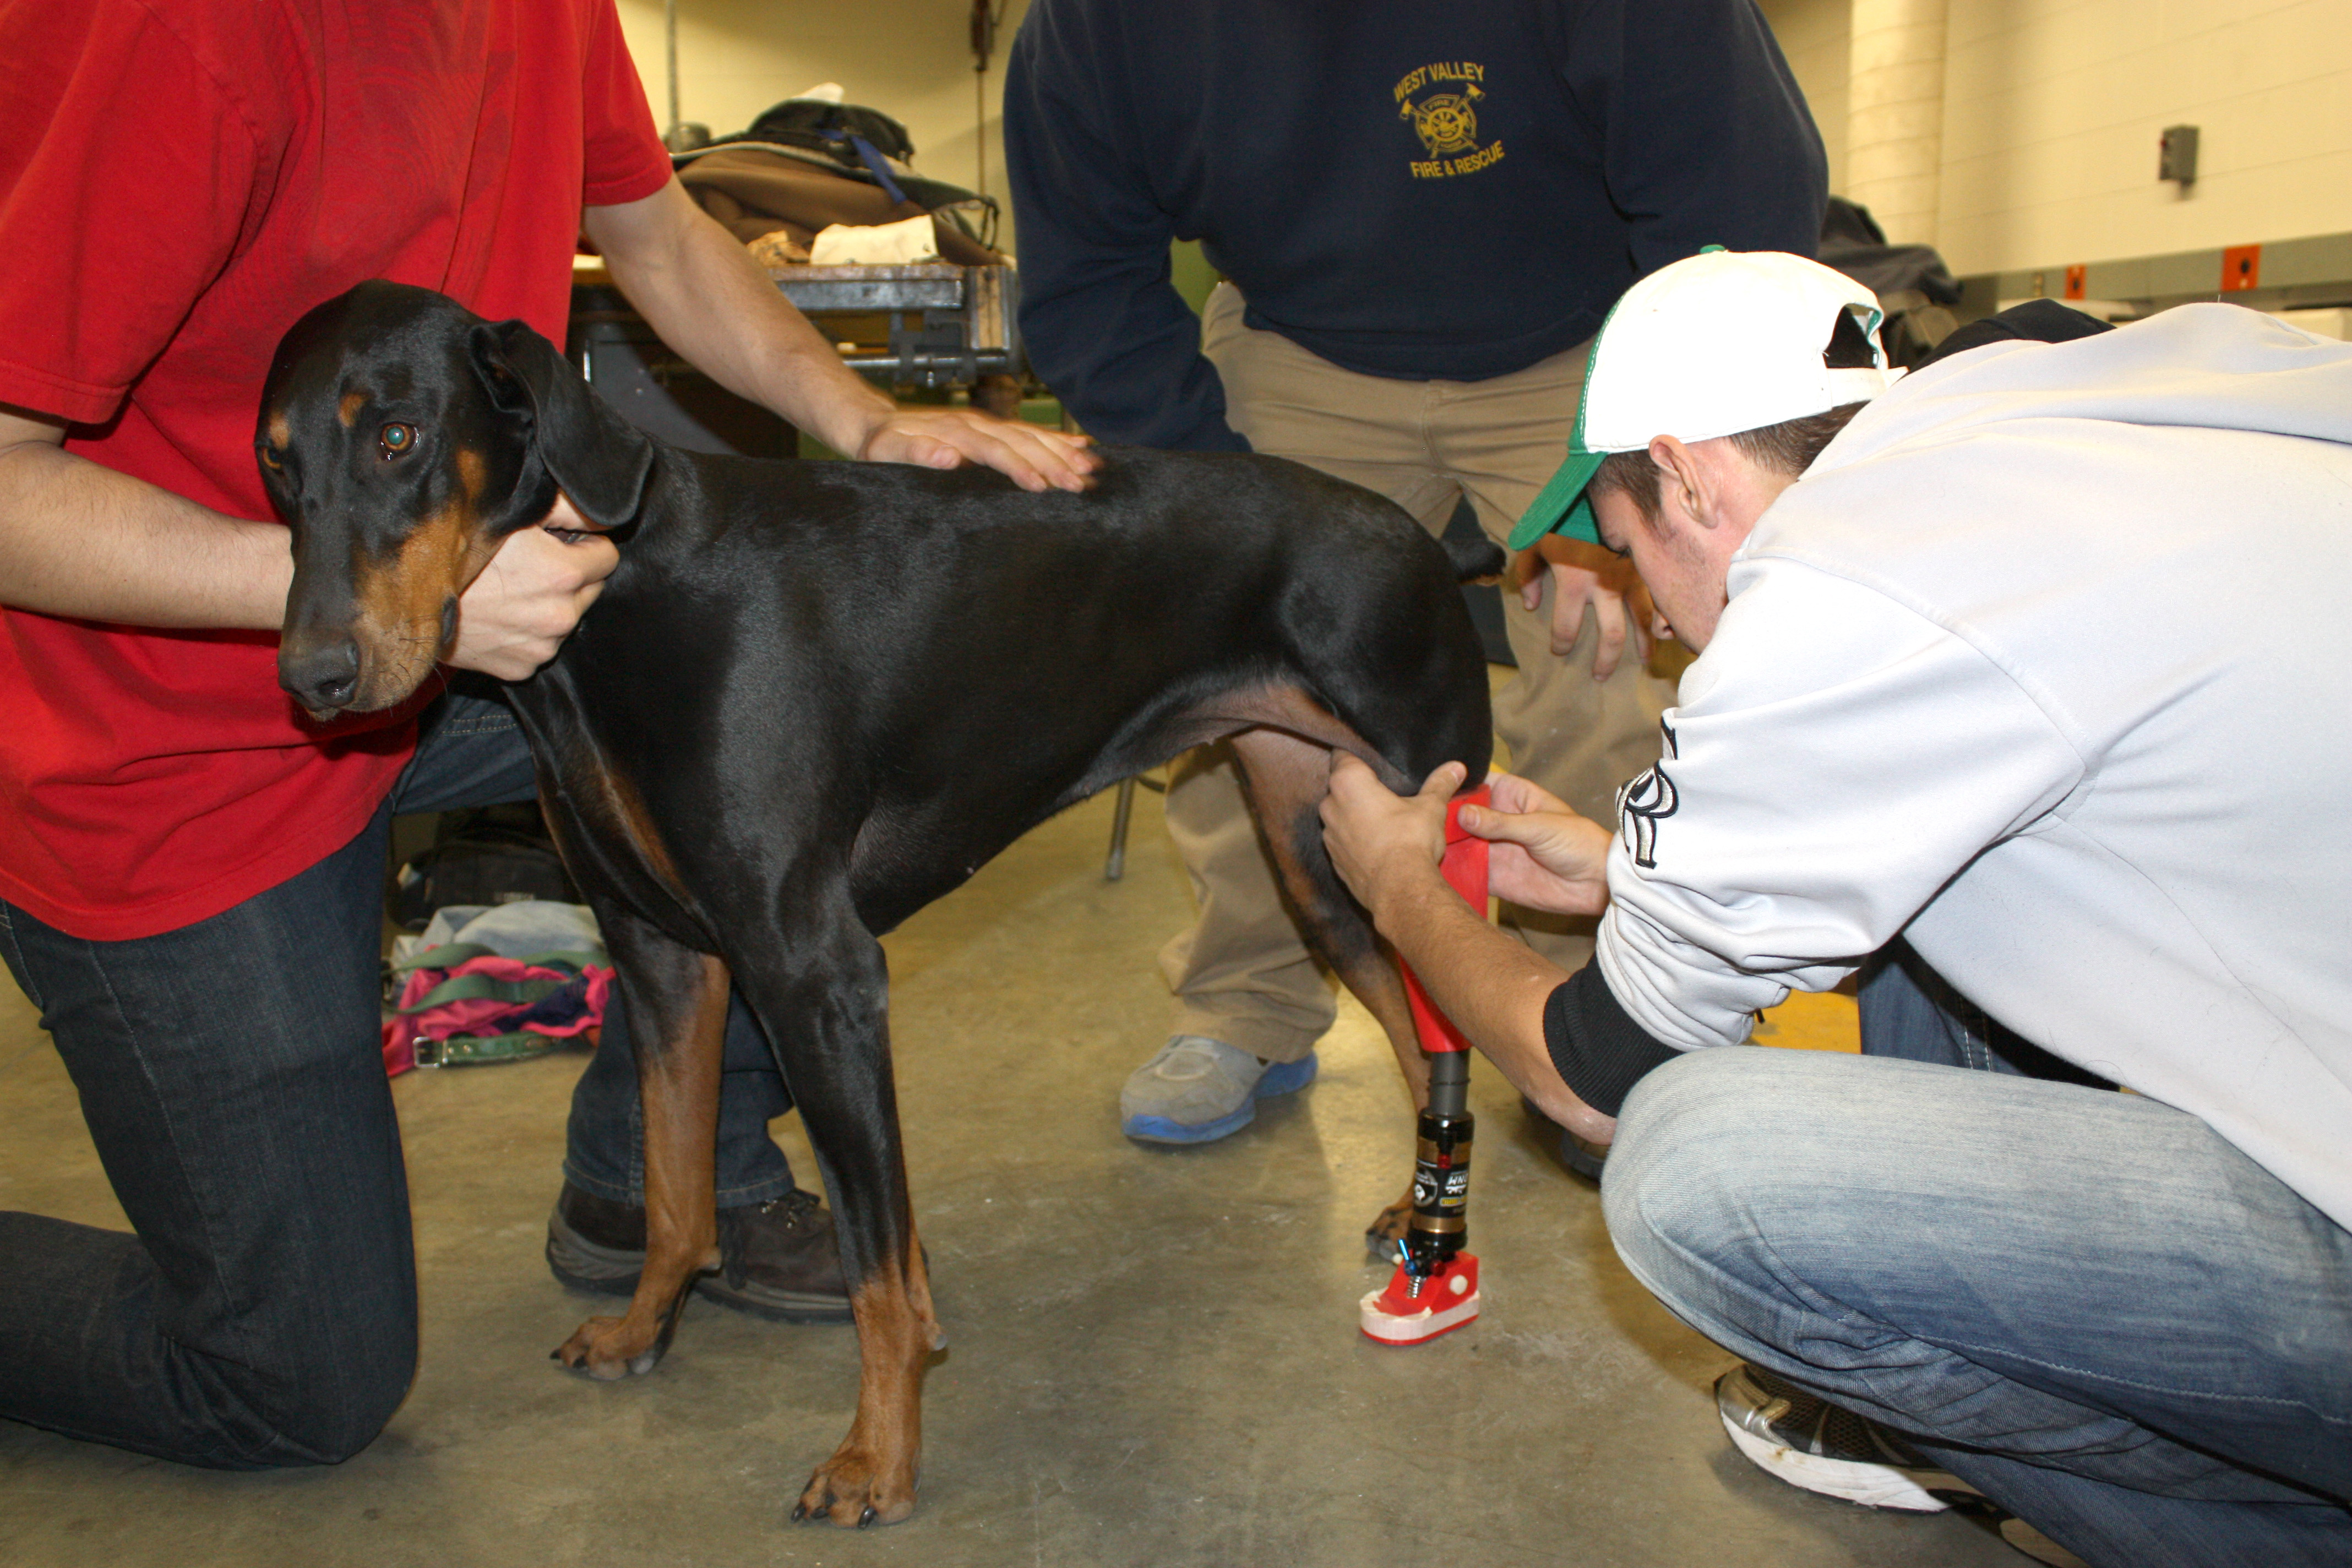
pixel 1810 1443
pixel 1807 1442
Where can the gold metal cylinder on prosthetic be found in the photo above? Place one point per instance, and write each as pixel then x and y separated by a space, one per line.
pixel 1440 1225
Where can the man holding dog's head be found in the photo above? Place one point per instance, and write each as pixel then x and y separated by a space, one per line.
pixel 2024 674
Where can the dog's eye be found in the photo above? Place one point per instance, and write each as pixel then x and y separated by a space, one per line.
pixel 269 459
pixel 396 439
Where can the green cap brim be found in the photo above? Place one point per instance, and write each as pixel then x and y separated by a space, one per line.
pixel 1561 506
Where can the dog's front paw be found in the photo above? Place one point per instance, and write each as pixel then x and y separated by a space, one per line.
pixel 608 1348
pixel 855 1489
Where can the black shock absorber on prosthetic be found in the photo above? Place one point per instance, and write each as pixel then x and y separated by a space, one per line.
pixel 1440 1226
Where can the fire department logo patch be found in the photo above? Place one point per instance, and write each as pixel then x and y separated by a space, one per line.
pixel 1440 102
pixel 1447 122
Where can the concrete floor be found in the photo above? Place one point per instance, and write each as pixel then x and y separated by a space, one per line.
pixel 1152 1354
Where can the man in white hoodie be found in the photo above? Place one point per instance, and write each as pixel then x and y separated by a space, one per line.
pixel 2034 660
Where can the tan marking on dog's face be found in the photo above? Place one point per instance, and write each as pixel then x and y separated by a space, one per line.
pixel 347 410
pixel 281 430
pixel 473 473
pixel 398 629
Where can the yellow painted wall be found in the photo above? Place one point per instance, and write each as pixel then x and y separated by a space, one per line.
pixel 1813 34
pixel 2051 107
pixel 2052 110
pixel 909 59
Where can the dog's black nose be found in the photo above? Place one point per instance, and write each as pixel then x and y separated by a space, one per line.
pixel 322 675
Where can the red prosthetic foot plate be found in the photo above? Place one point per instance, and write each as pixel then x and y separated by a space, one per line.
pixel 1448 1300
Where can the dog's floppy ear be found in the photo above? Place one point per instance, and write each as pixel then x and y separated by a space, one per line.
pixel 600 459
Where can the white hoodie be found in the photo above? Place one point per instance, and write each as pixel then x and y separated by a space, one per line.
pixel 2045 660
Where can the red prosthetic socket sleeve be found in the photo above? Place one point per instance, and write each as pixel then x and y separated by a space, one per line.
pixel 1464 869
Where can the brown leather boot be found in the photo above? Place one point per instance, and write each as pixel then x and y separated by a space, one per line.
pixel 778 1259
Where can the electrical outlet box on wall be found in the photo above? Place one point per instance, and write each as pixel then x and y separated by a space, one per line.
pixel 2175 155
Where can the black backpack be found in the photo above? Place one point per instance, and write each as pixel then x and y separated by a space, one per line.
pixel 489 855
pixel 859 140
pixel 832 129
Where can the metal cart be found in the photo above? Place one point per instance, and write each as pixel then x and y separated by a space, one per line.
pixel 927 325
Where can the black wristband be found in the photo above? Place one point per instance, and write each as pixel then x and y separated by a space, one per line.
pixel 1598 1050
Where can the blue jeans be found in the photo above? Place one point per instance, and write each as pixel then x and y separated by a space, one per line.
pixel 265 1312
pixel 2086 1304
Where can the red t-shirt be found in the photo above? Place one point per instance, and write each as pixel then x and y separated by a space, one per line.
pixel 180 180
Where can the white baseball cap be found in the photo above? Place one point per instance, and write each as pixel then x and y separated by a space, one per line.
pixel 1716 343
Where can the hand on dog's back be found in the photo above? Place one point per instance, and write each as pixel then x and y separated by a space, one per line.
pixel 1033 458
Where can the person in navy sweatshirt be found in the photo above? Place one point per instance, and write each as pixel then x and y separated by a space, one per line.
pixel 1422 214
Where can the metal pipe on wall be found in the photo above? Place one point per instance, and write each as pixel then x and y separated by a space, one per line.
pixel 669 44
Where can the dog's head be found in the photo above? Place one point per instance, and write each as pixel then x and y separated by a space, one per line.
pixel 403 438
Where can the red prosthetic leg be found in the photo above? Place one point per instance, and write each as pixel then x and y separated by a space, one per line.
pixel 1436 1288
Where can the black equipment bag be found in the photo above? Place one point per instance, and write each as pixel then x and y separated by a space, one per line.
pixel 489 855
pixel 1913 285
pixel 768 177
pixel 828 128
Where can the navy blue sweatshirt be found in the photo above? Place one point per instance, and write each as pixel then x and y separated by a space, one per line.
pixel 1407 189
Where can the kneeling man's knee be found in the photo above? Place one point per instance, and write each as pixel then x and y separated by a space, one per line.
pixel 324 1399
pixel 351 1415
pixel 1701 1151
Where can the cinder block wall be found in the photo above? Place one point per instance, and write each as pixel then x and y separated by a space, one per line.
pixel 1813 34
pixel 2051 107
pixel 2052 110
pixel 2052 113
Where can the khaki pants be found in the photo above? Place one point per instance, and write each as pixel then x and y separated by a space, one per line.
pixel 1241 974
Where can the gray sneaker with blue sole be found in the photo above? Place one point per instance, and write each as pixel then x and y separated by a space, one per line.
pixel 1195 1090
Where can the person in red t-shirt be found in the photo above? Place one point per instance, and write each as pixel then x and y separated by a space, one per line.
pixel 189 869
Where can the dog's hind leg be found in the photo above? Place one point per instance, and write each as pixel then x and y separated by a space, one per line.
pixel 677 1000
pixel 824 1005
pixel 1285 779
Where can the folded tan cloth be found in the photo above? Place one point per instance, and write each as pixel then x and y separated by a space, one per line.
pixel 896 244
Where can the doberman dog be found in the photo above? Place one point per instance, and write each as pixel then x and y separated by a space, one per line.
pixel 814 697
